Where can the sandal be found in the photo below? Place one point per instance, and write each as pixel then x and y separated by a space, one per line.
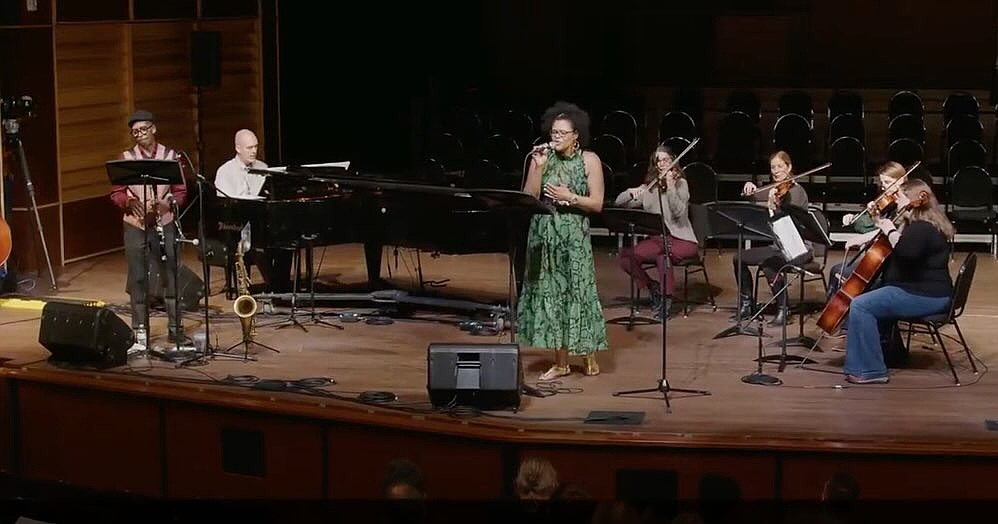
pixel 555 372
pixel 592 368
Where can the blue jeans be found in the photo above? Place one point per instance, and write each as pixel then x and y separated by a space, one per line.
pixel 873 314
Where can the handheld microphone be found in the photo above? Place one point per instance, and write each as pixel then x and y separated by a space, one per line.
pixel 542 148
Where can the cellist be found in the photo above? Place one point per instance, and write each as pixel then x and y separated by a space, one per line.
pixel 916 281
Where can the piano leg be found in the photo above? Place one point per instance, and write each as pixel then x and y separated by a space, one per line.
pixel 372 255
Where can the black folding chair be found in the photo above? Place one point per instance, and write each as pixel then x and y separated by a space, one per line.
pixel 958 303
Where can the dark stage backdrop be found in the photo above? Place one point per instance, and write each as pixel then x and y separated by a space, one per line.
pixel 362 80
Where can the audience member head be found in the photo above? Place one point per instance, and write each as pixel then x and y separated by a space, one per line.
pixel 536 480
pixel 404 481
pixel 839 494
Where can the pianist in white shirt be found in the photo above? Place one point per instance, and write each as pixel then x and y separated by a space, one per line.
pixel 233 178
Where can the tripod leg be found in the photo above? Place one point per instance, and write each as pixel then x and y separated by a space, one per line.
pixel 30 186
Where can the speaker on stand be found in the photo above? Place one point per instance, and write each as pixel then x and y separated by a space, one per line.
pixel 206 71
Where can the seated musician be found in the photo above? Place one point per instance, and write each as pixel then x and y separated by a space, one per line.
pixel 233 180
pixel 889 176
pixel 916 282
pixel 682 242
pixel 769 258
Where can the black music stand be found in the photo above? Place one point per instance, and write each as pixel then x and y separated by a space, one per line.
pixel 811 231
pixel 633 222
pixel 517 207
pixel 151 172
pixel 662 385
pixel 735 219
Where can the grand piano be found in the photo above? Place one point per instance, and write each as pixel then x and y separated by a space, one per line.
pixel 320 206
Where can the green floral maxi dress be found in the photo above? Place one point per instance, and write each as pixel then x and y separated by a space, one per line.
pixel 559 306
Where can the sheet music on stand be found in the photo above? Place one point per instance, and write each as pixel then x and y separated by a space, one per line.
pixel 341 165
pixel 788 238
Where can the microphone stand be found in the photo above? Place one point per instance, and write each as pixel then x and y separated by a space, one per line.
pixel 208 351
pixel 662 386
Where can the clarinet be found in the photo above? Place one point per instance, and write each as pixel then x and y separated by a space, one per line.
pixel 159 230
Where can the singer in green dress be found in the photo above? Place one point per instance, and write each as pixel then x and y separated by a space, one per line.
pixel 559 306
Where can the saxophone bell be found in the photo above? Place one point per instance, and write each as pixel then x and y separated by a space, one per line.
pixel 245 308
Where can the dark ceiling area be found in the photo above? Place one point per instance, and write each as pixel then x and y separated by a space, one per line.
pixel 364 81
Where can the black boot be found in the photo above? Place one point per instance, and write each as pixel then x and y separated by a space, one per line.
pixel 655 294
pixel 782 310
pixel 664 308
pixel 746 307
pixel 175 331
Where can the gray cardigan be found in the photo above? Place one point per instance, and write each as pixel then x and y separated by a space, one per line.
pixel 677 217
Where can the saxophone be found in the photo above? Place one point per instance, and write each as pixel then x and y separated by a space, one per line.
pixel 245 304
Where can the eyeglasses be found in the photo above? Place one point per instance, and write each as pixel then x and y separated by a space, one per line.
pixel 142 130
pixel 561 132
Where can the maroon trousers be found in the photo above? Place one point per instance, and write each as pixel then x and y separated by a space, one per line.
pixel 652 248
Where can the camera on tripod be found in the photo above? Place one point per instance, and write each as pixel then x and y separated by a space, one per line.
pixel 15 109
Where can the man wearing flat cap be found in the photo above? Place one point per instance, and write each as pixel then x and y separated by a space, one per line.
pixel 147 210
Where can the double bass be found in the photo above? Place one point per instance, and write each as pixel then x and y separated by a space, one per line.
pixel 5 242
pixel 866 272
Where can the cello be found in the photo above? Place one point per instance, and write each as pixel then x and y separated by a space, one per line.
pixel 865 272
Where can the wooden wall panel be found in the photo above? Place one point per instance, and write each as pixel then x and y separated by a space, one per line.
pixel 291 455
pixel 91 226
pixel 452 468
pixel 28 255
pixel 898 478
pixel 26 70
pixel 755 474
pixel 90 439
pixel 93 92
pixel 238 103
pixel 161 73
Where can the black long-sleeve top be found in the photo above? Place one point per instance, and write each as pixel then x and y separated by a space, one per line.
pixel 919 263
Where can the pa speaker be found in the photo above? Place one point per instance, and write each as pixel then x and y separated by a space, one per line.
pixel 486 376
pixel 190 288
pixel 81 334
pixel 206 58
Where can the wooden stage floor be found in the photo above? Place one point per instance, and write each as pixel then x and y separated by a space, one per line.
pixel 920 411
